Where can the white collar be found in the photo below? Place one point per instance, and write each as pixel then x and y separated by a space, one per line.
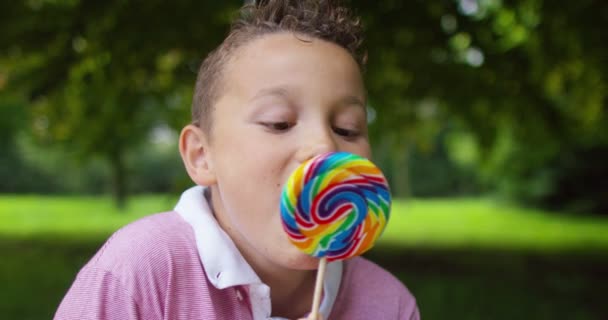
pixel 225 266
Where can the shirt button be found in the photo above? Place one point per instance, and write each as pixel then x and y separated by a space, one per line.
pixel 239 295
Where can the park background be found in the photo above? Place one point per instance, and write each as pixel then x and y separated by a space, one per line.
pixel 489 117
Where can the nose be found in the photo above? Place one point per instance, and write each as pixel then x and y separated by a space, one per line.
pixel 316 142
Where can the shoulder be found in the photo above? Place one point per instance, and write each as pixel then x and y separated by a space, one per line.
pixel 139 270
pixel 153 242
pixel 361 273
pixel 156 252
pixel 152 238
pixel 378 293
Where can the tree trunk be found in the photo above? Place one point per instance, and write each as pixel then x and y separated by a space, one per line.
pixel 119 179
pixel 401 170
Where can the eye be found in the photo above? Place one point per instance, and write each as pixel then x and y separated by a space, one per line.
pixel 281 126
pixel 347 133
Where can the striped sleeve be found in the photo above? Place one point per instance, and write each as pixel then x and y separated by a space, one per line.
pixel 408 308
pixel 97 294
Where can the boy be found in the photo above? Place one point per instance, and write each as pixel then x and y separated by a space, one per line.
pixel 284 86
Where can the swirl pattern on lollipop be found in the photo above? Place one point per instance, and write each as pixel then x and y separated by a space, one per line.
pixel 335 205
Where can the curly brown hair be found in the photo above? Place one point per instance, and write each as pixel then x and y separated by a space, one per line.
pixel 322 19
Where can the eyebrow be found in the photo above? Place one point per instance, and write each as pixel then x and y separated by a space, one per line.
pixel 278 91
pixel 284 92
pixel 350 100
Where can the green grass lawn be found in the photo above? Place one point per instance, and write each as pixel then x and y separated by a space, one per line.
pixel 457 223
pixel 78 216
pixel 485 224
pixel 462 258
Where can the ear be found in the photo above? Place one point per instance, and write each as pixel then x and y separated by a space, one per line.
pixel 194 149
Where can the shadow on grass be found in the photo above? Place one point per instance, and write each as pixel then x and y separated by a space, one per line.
pixel 36 273
pixel 474 283
pixel 449 284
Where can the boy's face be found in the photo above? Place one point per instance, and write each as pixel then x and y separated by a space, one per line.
pixel 284 101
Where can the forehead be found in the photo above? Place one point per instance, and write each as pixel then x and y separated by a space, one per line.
pixel 292 60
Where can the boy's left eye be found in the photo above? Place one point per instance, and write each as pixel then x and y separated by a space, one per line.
pixel 278 126
pixel 347 133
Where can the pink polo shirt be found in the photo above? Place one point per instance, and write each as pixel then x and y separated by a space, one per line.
pixel 181 265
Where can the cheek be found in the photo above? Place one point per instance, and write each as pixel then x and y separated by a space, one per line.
pixel 366 150
pixel 251 187
pixel 362 149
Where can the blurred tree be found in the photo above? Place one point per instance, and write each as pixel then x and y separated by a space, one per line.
pixel 102 75
pixel 526 77
pixel 538 66
pixel 12 118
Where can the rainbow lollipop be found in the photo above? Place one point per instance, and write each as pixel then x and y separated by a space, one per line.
pixel 335 206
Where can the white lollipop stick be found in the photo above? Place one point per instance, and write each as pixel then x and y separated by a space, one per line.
pixel 316 299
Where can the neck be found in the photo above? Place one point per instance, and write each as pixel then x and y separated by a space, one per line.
pixel 291 290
